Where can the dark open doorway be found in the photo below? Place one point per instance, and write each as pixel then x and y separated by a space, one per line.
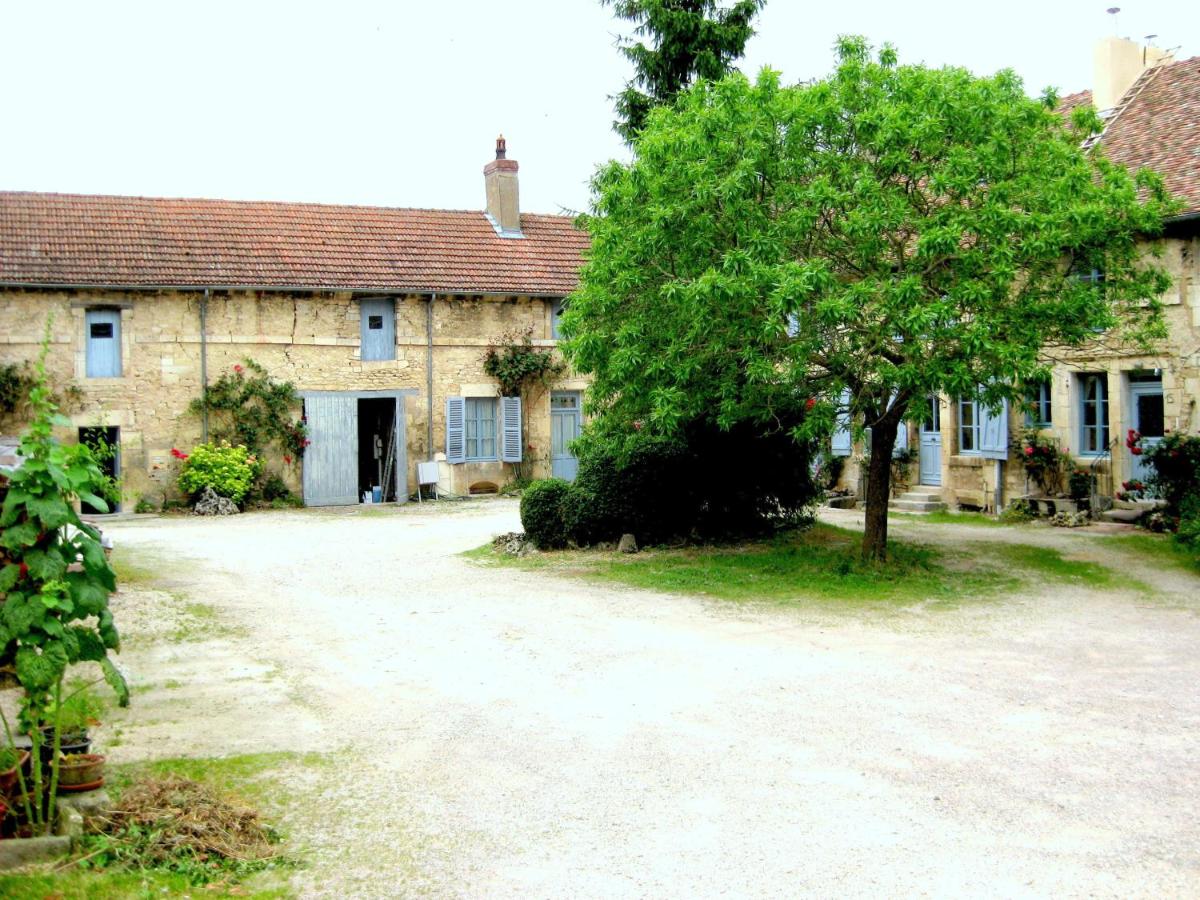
pixel 105 443
pixel 377 447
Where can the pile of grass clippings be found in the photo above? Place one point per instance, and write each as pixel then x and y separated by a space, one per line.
pixel 185 826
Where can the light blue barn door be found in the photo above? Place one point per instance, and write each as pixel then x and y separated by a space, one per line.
pixel 1146 402
pixel 565 423
pixel 378 328
pixel 331 460
pixel 103 343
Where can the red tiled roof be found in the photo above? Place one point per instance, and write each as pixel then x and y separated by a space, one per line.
pixel 1157 126
pixel 74 239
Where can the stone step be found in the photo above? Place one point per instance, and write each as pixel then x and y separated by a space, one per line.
pixel 922 496
pixel 1122 515
pixel 916 505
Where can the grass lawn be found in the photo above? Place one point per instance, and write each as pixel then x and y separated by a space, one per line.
pixel 822 565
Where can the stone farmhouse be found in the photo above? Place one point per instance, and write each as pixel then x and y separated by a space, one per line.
pixel 379 317
pixel 966 455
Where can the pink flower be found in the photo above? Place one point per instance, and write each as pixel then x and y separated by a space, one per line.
pixel 1029 451
pixel 238 369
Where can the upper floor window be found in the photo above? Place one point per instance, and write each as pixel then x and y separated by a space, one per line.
pixel 1093 413
pixel 556 311
pixel 378 328
pixel 1038 412
pixel 103 330
pixel 968 425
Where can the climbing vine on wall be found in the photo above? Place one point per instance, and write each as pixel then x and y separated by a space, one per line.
pixel 520 366
pixel 248 407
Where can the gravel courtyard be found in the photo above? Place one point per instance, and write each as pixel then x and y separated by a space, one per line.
pixel 515 733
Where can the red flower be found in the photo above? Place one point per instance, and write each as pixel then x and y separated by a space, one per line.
pixel 1136 451
pixel 24 570
pixel 810 403
pixel 1029 451
pixel 287 459
pixel 178 454
pixel 306 442
pixel 238 369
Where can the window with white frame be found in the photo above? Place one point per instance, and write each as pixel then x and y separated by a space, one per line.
pixel 1093 413
pixel 1038 412
pixel 479 423
pixel 968 425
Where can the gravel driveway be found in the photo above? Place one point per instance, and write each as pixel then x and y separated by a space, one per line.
pixel 512 733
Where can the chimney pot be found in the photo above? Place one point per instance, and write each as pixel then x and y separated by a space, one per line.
pixel 501 147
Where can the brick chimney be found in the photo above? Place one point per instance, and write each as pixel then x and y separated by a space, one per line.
pixel 1117 63
pixel 503 205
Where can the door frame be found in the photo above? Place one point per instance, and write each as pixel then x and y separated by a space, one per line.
pixel 401 426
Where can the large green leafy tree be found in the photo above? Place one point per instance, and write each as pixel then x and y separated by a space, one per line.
pixel 689 40
pixel 888 232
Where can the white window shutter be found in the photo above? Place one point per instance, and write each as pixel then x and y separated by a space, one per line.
pixel 901 445
pixel 456 443
pixel 993 431
pixel 841 431
pixel 510 429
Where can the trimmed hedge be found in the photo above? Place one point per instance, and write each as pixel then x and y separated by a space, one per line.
pixel 708 485
pixel 541 513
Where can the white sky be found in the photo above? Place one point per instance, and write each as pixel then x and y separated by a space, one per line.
pixel 398 103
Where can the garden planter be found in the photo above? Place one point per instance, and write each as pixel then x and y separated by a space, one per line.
pixel 8 778
pixel 73 742
pixel 81 772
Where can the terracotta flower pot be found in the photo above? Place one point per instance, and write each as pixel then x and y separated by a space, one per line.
pixel 8 778
pixel 80 768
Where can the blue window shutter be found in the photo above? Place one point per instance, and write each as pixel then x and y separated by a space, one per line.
pixel 456 444
pixel 103 335
pixel 993 431
pixel 510 429
pixel 841 431
pixel 377 326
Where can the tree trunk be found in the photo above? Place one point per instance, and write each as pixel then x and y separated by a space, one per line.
pixel 879 489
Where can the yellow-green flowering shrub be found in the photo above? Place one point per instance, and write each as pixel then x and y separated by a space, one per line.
pixel 228 470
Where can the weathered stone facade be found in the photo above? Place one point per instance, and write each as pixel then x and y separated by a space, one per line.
pixel 311 339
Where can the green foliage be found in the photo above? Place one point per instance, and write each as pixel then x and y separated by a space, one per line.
pixel 542 513
pixel 1174 467
pixel 250 408
pixel 102 452
pixel 1044 462
pixel 1017 512
pixel 690 40
pixel 229 471
pixel 1187 534
pixel 54 577
pixel 15 384
pixel 1080 484
pixel 894 231
pixel 518 365
pixel 705 484
pixel 144 506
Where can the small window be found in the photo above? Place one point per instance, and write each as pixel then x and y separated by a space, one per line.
pixel 480 428
pixel 1038 411
pixel 968 425
pixel 1093 414
pixel 103 329
pixel 375 323
pixel 556 310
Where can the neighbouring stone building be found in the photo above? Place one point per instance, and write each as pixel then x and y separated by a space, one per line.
pixel 379 317
pixel 963 452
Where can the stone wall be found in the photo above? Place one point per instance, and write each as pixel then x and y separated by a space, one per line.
pixel 310 339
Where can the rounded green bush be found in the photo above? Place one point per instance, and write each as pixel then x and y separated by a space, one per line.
pixel 229 471
pixel 542 513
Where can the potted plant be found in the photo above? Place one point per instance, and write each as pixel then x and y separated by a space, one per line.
pixel 80 772
pixel 73 717
pixel 11 759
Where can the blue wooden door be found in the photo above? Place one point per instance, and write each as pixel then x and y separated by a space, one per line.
pixel 565 423
pixel 331 460
pixel 1146 398
pixel 931 445
pixel 103 343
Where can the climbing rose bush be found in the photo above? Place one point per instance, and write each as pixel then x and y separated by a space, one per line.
pixel 228 470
